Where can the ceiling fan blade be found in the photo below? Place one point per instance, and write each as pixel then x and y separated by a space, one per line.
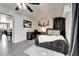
pixel 35 3
pixel 29 8
pixel 17 8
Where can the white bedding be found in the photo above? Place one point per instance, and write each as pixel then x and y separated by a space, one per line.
pixel 49 38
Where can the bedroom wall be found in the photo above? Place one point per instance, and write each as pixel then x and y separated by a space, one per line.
pixel 35 22
pixel 19 33
pixel 68 14
pixel 57 11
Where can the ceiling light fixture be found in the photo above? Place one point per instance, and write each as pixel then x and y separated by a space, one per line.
pixel 24 5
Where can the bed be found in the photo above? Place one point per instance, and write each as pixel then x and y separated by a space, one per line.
pixel 54 39
pixel 52 42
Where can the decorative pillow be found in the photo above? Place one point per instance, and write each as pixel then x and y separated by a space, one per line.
pixel 53 32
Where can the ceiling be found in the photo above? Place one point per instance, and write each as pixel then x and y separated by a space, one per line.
pixel 42 10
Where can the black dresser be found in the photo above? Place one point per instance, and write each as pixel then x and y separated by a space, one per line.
pixel 32 35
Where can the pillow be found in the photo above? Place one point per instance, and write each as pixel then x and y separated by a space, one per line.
pixel 54 32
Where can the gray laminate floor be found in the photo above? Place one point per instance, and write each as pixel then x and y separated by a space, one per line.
pixel 14 49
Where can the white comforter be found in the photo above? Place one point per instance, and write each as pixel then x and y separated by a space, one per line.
pixel 49 38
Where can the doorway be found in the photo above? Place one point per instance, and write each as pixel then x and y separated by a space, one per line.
pixel 6 29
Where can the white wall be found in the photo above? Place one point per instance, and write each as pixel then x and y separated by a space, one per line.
pixel 35 22
pixel 19 33
pixel 68 14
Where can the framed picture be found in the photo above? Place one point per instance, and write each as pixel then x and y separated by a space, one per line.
pixel 43 24
pixel 27 24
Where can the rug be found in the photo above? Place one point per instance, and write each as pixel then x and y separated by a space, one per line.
pixel 40 51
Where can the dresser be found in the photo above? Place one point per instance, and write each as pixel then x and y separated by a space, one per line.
pixel 32 35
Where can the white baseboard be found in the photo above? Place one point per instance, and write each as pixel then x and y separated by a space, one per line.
pixel 18 41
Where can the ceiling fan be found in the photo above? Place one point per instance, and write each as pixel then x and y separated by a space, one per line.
pixel 25 5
